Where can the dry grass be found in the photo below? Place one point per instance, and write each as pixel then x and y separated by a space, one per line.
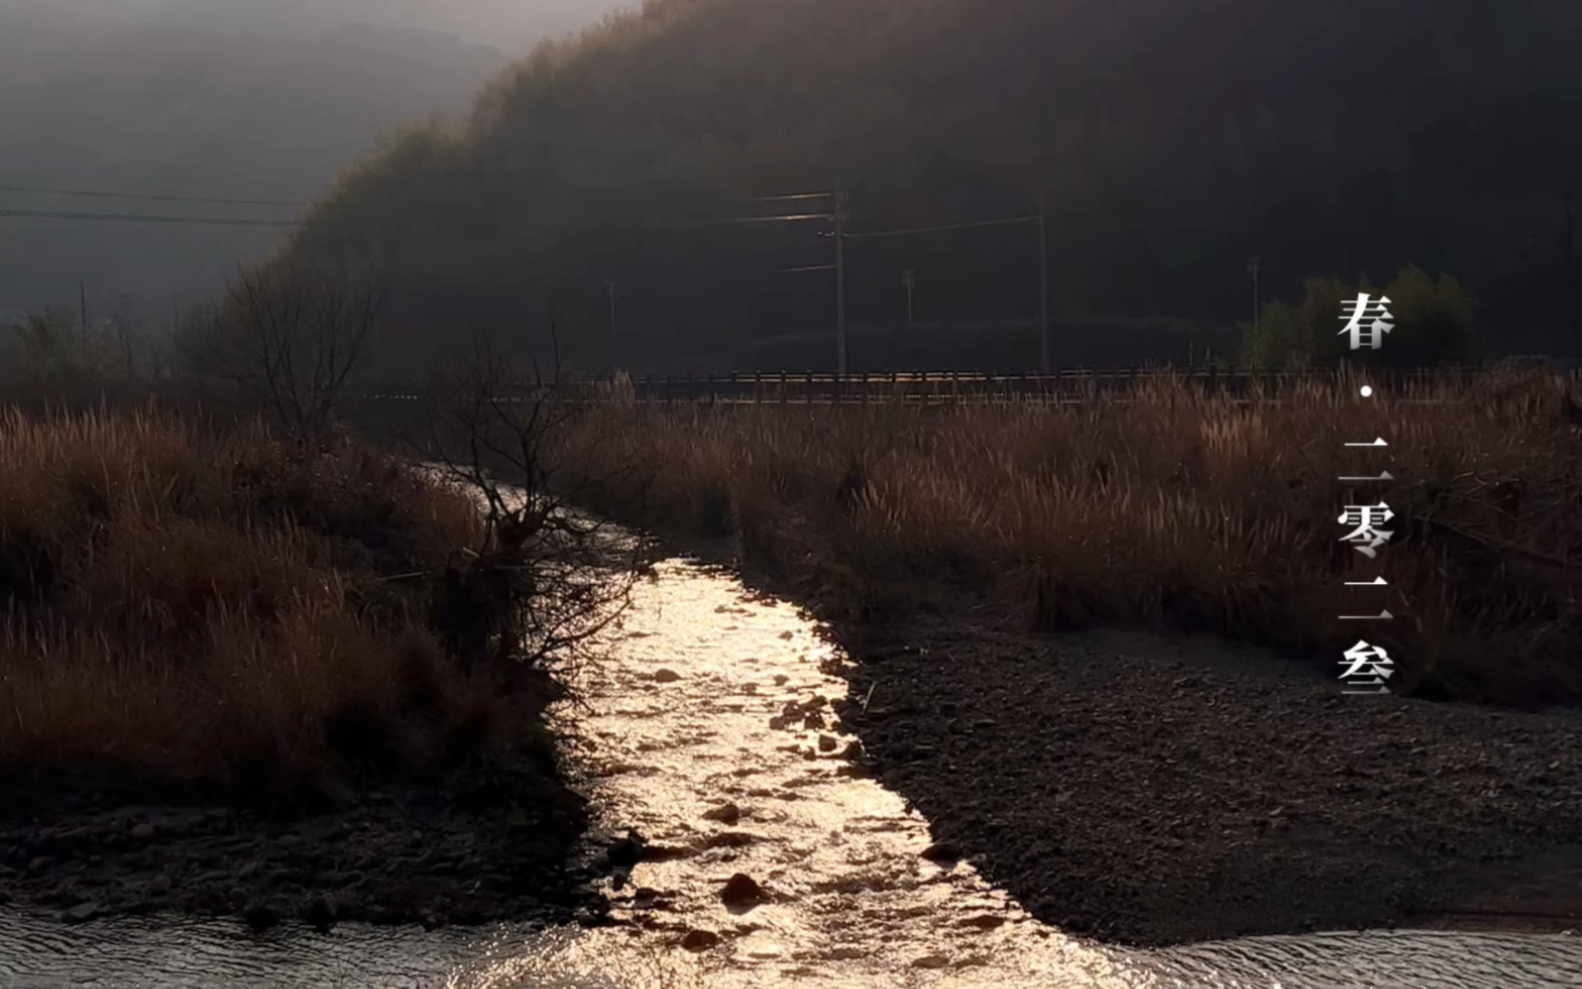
pixel 187 610
pixel 1180 510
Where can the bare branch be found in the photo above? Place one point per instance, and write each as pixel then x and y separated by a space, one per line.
pixel 291 340
pixel 546 578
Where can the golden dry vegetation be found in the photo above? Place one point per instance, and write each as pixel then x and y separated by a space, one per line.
pixel 1173 508
pixel 202 610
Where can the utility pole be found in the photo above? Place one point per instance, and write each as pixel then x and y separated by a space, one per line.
pixel 82 305
pixel 840 278
pixel 609 286
pixel 909 279
pixel 1043 286
pixel 1253 264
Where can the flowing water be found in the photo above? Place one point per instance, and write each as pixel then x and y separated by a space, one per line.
pixel 678 724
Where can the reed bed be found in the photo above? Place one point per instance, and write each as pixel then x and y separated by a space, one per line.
pixel 190 611
pixel 1179 510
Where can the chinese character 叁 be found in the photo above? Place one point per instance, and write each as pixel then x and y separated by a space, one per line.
pixel 1367 320
pixel 1363 660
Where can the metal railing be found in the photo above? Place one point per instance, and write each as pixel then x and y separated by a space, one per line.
pixel 1072 385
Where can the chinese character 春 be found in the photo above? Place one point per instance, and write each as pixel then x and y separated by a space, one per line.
pixel 1363 660
pixel 1367 536
pixel 1367 320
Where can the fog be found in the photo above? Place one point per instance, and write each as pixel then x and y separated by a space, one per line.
pixel 249 99
pixel 513 26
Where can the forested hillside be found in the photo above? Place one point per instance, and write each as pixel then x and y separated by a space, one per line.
pixel 1172 140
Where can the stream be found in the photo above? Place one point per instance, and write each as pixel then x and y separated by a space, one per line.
pixel 677 724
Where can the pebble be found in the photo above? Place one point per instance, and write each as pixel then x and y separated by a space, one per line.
pixel 741 890
pixel 80 913
pixel 319 912
pixel 700 940
pixel 259 915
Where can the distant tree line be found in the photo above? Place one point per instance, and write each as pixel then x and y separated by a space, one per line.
pixel 1434 321
pixel 54 347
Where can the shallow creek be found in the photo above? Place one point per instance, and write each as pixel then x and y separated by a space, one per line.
pixel 852 903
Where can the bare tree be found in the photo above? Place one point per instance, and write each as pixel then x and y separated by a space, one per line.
pixel 546 577
pixel 290 338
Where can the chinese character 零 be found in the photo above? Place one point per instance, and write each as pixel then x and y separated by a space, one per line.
pixel 1363 660
pixel 1367 320
pixel 1367 536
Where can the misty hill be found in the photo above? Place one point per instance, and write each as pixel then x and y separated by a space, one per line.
pixel 177 110
pixel 1173 139
pixel 513 26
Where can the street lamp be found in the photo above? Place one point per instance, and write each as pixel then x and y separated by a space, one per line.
pixel 909 279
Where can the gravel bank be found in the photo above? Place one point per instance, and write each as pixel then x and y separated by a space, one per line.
pixel 1150 792
pixel 472 850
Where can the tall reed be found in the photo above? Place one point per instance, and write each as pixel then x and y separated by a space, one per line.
pixel 1169 507
pixel 186 610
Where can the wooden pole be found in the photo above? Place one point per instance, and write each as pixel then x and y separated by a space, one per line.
pixel 840 278
pixel 1043 286
pixel 609 286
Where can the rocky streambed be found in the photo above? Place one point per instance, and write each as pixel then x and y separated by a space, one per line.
pixel 776 788
pixel 470 850
pixel 1151 792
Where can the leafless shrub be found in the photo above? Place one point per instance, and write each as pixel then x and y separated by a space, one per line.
pixel 545 578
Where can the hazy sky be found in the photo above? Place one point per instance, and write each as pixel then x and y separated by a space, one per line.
pixel 509 25
pixel 168 108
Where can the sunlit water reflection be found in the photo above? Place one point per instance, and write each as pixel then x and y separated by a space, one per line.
pixel 852 902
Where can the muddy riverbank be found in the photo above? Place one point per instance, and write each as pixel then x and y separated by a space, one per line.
pixel 480 846
pixel 1148 792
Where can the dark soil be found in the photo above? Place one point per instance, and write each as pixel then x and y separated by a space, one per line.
pixel 1144 792
pixel 484 845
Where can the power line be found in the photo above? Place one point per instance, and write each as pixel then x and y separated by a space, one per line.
pixel 100 194
pixel 136 195
pixel 140 218
pixel 792 218
pixel 791 198
pixel 952 226
pixel 237 222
